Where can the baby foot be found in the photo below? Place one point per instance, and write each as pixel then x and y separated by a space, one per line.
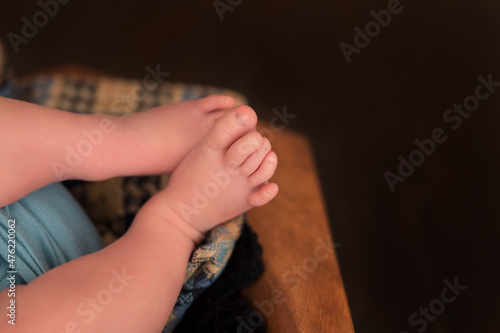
pixel 223 176
pixel 158 139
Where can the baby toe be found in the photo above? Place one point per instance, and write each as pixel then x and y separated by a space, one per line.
pixel 263 195
pixel 214 102
pixel 243 148
pixel 253 161
pixel 265 170
pixel 231 126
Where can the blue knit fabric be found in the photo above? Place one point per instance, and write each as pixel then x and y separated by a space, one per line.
pixel 50 230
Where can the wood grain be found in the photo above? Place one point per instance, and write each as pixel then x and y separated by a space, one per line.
pixel 301 289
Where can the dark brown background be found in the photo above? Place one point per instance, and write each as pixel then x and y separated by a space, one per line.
pixel 396 249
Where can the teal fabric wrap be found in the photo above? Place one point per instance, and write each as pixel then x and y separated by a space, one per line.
pixel 50 230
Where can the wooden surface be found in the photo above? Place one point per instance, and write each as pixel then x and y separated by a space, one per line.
pixel 301 289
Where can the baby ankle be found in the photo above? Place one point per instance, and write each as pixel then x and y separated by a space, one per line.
pixel 175 220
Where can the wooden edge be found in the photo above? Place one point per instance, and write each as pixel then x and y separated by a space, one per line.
pixel 301 289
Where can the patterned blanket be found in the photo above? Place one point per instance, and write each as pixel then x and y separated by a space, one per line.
pixel 112 204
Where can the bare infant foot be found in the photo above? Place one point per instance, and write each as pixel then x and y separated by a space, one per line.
pixel 223 176
pixel 158 139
